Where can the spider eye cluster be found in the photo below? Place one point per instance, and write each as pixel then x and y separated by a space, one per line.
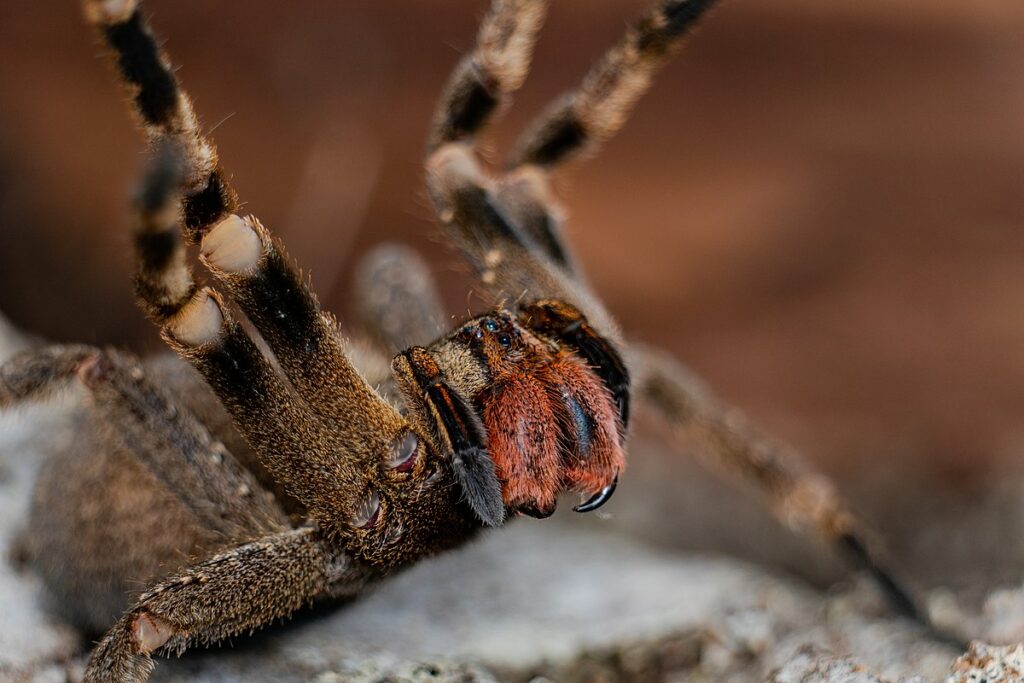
pixel 501 328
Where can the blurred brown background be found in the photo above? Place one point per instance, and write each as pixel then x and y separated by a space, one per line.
pixel 819 207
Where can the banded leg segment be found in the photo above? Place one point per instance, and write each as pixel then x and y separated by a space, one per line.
pixel 331 440
pixel 164 109
pixel 802 500
pixel 510 230
pixel 257 274
pixel 596 110
pixel 306 454
pixel 297 447
pixel 526 196
pixel 163 279
pixel 484 79
pixel 578 123
pixel 252 266
pixel 510 265
pixel 167 439
pixel 234 592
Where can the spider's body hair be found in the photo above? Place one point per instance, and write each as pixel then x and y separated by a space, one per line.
pixel 248 488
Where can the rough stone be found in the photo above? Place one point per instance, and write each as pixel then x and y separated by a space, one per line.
pixel 538 601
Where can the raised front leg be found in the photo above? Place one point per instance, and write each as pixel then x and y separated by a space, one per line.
pixel 509 230
pixel 320 429
pixel 579 122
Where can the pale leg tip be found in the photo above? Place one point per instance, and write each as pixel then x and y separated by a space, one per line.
pixel 150 632
pixel 232 246
pixel 199 321
pixel 109 12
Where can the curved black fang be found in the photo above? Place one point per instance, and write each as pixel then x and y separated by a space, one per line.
pixel 598 499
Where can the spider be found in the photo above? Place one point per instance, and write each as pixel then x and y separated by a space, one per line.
pixel 266 472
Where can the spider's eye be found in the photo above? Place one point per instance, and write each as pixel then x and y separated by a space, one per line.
pixel 367 512
pixel 504 340
pixel 402 455
pixel 490 325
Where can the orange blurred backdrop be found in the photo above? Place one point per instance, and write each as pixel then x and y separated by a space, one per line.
pixel 819 206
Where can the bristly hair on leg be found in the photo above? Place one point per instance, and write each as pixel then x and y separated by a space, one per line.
pixel 801 499
pixel 163 278
pixel 596 110
pixel 165 111
pixel 486 77
pixel 579 122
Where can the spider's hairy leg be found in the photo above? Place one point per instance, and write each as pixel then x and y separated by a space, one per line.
pixel 801 499
pixel 463 197
pixel 263 580
pixel 336 445
pixel 508 262
pixel 224 497
pixel 486 77
pixel 234 592
pixel 398 298
pixel 518 273
pixel 295 444
pixel 598 108
pixel 252 267
pixel 512 267
pixel 579 122
pixel 369 467
pixel 510 232
pixel 255 272
pixel 164 110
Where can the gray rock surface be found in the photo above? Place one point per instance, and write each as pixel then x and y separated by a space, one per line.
pixel 533 599
pixel 533 602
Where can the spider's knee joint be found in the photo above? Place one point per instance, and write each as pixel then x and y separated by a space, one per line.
pixel 232 246
pixel 150 632
pixel 109 11
pixel 94 369
pixel 199 321
pixel 453 167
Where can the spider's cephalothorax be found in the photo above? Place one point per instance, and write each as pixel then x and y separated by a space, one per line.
pixel 533 404
pixel 299 478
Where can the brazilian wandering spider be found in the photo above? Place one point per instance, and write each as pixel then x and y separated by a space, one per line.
pixel 294 479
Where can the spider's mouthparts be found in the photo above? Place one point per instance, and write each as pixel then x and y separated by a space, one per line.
pixel 598 499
